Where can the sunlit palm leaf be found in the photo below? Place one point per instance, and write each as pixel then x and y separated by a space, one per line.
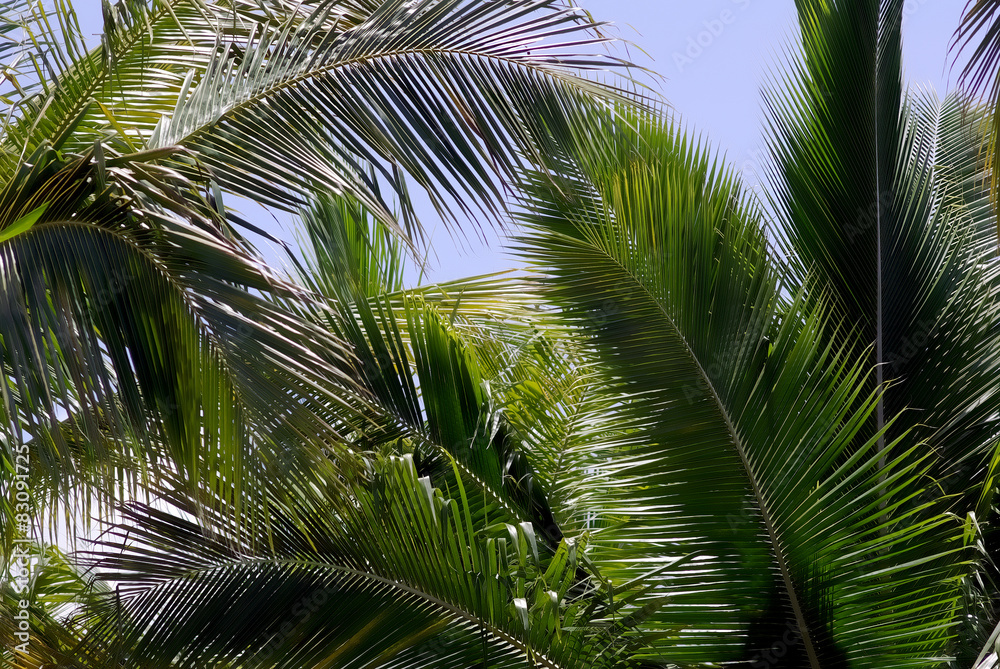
pixel 979 32
pixel 349 255
pixel 283 100
pixel 420 354
pixel 397 573
pixel 41 614
pixel 742 424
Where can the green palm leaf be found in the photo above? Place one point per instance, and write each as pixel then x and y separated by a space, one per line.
pixel 881 193
pixel 396 573
pixel 742 424
pixel 134 313
pixel 887 209
pixel 55 593
pixel 282 101
pixel 979 75
pixel 429 358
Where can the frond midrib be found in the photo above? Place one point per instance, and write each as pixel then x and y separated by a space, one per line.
pixel 536 656
pixel 289 83
pixel 741 452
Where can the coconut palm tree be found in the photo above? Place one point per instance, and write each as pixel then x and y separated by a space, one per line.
pixel 706 428
pixel 133 304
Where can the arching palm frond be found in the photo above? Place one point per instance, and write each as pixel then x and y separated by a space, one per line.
pixel 533 387
pixel 979 31
pixel 663 444
pixel 365 575
pixel 883 194
pixel 879 193
pixel 131 311
pixel 397 574
pixel 742 424
pixel 128 272
pixel 284 100
pixel 431 400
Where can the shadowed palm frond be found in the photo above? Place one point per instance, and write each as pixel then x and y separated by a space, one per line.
pixel 888 208
pixel 116 268
pixel 683 436
pixel 883 195
pixel 394 573
pixel 130 310
pixel 435 359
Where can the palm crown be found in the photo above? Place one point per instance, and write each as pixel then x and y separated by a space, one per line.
pixel 703 428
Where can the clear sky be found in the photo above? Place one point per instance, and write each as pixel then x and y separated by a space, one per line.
pixel 714 56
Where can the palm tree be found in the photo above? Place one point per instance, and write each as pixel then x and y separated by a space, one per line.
pixel 134 307
pixel 706 429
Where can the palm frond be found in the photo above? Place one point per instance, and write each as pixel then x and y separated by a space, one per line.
pixel 131 311
pixel 879 193
pixel 281 101
pixel 42 623
pixel 981 75
pixel 348 255
pixel 435 360
pixel 884 195
pixel 396 573
pixel 741 449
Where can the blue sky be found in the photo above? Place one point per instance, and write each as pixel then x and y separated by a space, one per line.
pixel 714 56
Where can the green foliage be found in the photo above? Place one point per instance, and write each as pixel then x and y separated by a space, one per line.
pixel 701 429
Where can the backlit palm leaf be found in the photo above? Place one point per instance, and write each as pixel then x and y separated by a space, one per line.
pixel 886 206
pixel 740 449
pixel 209 356
pixel 979 32
pixel 396 575
pixel 281 100
pixel 131 310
